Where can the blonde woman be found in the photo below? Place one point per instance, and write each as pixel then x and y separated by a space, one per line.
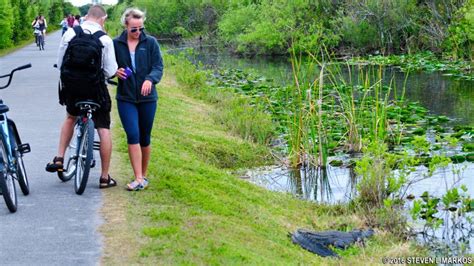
pixel 140 69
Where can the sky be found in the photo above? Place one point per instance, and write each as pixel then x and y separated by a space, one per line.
pixel 85 2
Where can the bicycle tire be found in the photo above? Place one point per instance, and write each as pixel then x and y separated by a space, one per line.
pixel 7 183
pixel 41 42
pixel 84 160
pixel 70 165
pixel 19 165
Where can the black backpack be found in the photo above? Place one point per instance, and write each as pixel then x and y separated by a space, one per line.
pixel 82 77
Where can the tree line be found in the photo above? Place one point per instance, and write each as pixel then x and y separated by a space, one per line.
pixel 16 17
pixel 347 27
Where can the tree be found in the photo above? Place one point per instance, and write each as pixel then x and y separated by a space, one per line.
pixel 56 13
pixel 6 24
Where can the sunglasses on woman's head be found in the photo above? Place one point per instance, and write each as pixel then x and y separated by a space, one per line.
pixel 133 30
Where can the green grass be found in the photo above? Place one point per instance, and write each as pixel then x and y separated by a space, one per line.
pixel 196 212
pixel 12 49
pixel 22 44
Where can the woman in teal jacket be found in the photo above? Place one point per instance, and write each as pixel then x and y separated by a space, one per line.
pixel 140 69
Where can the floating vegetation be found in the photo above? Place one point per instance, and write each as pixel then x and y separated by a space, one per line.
pixel 446 223
pixel 426 61
pixel 403 120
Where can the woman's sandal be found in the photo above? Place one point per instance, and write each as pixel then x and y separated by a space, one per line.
pixel 106 183
pixel 56 165
pixel 135 185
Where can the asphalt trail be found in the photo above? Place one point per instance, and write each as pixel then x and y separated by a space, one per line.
pixel 53 225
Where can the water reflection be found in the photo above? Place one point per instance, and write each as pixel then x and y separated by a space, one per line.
pixel 337 184
pixel 454 238
pixel 325 185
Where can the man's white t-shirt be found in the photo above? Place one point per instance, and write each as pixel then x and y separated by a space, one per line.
pixel 109 64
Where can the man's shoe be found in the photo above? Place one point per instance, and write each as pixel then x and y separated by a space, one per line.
pixel 56 165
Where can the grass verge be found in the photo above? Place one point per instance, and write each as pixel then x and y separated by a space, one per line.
pixel 17 46
pixel 196 212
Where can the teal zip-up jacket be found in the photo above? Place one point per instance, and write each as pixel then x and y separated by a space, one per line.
pixel 149 66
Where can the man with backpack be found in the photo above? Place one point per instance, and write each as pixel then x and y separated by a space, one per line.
pixel 86 58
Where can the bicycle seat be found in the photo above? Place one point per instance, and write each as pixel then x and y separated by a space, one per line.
pixel 3 108
pixel 84 104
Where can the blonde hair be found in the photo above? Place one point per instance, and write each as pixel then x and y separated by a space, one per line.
pixel 132 13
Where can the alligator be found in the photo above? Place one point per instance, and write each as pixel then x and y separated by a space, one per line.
pixel 319 242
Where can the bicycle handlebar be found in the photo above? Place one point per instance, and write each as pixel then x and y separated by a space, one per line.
pixel 11 74
pixel 111 82
pixel 22 67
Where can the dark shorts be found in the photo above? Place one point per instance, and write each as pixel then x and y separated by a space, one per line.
pixel 100 117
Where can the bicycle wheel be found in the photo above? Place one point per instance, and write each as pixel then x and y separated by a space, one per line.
pixel 41 42
pixel 20 168
pixel 70 160
pixel 86 145
pixel 7 183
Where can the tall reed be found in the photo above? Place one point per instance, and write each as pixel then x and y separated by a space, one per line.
pixel 325 101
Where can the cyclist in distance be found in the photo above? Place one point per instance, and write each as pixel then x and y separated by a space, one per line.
pixel 36 31
pixel 40 24
pixel 94 23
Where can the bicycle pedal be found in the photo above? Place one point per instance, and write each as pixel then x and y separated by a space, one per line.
pixel 24 148
pixel 93 164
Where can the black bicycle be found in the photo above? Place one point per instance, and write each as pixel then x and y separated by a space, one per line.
pixel 11 154
pixel 39 38
pixel 79 156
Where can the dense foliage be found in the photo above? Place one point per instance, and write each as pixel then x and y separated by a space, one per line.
pixel 343 26
pixel 16 17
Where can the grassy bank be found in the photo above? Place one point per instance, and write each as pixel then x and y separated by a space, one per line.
pixel 196 212
pixel 22 44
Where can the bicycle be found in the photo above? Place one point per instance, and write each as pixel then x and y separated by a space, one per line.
pixel 39 38
pixel 79 153
pixel 11 154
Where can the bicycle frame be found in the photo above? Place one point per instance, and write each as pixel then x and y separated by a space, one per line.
pixel 5 135
pixel 80 122
pixel 12 166
pixel 79 129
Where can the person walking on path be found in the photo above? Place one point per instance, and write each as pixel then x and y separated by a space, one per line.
pixel 70 21
pixel 95 22
pixel 140 69
pixel 63 25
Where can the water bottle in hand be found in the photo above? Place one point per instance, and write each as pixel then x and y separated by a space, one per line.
pixel 128 72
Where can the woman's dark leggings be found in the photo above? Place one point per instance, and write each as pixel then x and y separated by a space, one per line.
pixel 137 120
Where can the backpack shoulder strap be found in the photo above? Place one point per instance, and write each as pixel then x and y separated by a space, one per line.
pixel 78 30
pixel 98 34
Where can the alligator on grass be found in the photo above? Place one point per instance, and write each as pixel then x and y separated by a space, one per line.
pixel 319 242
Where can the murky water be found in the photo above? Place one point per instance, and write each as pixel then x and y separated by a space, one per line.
pixel 441 94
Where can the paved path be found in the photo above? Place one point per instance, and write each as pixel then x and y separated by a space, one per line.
pixel 53 225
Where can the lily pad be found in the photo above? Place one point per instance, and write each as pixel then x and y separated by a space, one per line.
pixel 336 163
pixel 467 147
pixel 458 158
